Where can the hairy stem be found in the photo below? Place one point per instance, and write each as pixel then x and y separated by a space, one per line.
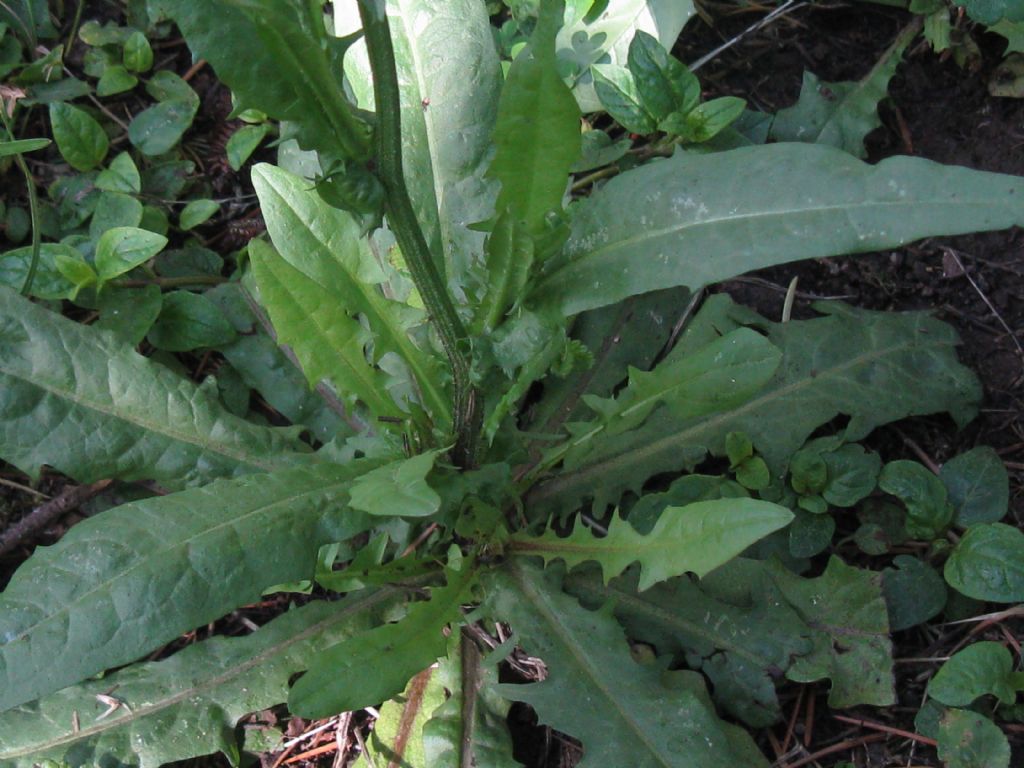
pixel 409 234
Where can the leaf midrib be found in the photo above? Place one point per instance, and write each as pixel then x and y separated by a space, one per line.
pixel 152 555
pixel 574 477
pixel 537 599
pixel 645 235
pixel 203 443
pixel 139 712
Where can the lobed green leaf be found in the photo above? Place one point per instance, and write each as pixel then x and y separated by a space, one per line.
pixel 78 400
pixel 128 580
pixel 696 538
pixel 187 705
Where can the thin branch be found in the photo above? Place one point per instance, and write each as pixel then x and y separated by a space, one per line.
pixel 46 513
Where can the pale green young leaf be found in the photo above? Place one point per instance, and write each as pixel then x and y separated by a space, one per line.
pixel 324 244
pixel 128 580
pixel 842 114
pixel 122 249
pixel 853 649
pixel 137 53
pixel 80 139
pixel 988 563
pixel 78 400
pixel 398 489
pixel 470 729
pixel 397 736
pixel 537 135
pixel 623 712
pixel 587 38
pixel 722 375
pixel 449 105
pixel 194 699
pixel 114 80
pixel 374 666
pixel 696 538
pixel 824 362
pixel 328 342
pixel 705 218
pixel 120 176
pixel 243 143
pixel 741 648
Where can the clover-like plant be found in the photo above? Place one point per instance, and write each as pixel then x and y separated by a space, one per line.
pixel 508 365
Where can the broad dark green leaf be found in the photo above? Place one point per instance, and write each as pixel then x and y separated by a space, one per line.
pixel 328 341
pixel 325 245
pixel 128 580
pixel 449 77
pixel 741 648
pixel 588 38
pixel 470 730
pixel 537 135
pixel 663 83
pixel 988 563
pixel 374 666
pixel 852 474
pixel 842 114
pixel 631 335
pixel 129 313
pixel 831 365
pixel 158 128
pixel 114 80
pixel 187 705
pixel 979 669
pixel 80 139
pixel 922 492
pixel 78 400
pixel 617 90
pixel 623 712
pixel 695 538
pixel 978 486
pixel 697 219
pixel 718 377
pixel 914 592
pixel 114 210
pixel 969 740
pixel 855 652
pixel 189 321
pixel 278 58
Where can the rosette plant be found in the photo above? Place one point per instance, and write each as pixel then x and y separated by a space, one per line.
pixel 524 386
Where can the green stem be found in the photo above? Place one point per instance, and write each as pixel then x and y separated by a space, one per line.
pixel 33 209
pixel 408 232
